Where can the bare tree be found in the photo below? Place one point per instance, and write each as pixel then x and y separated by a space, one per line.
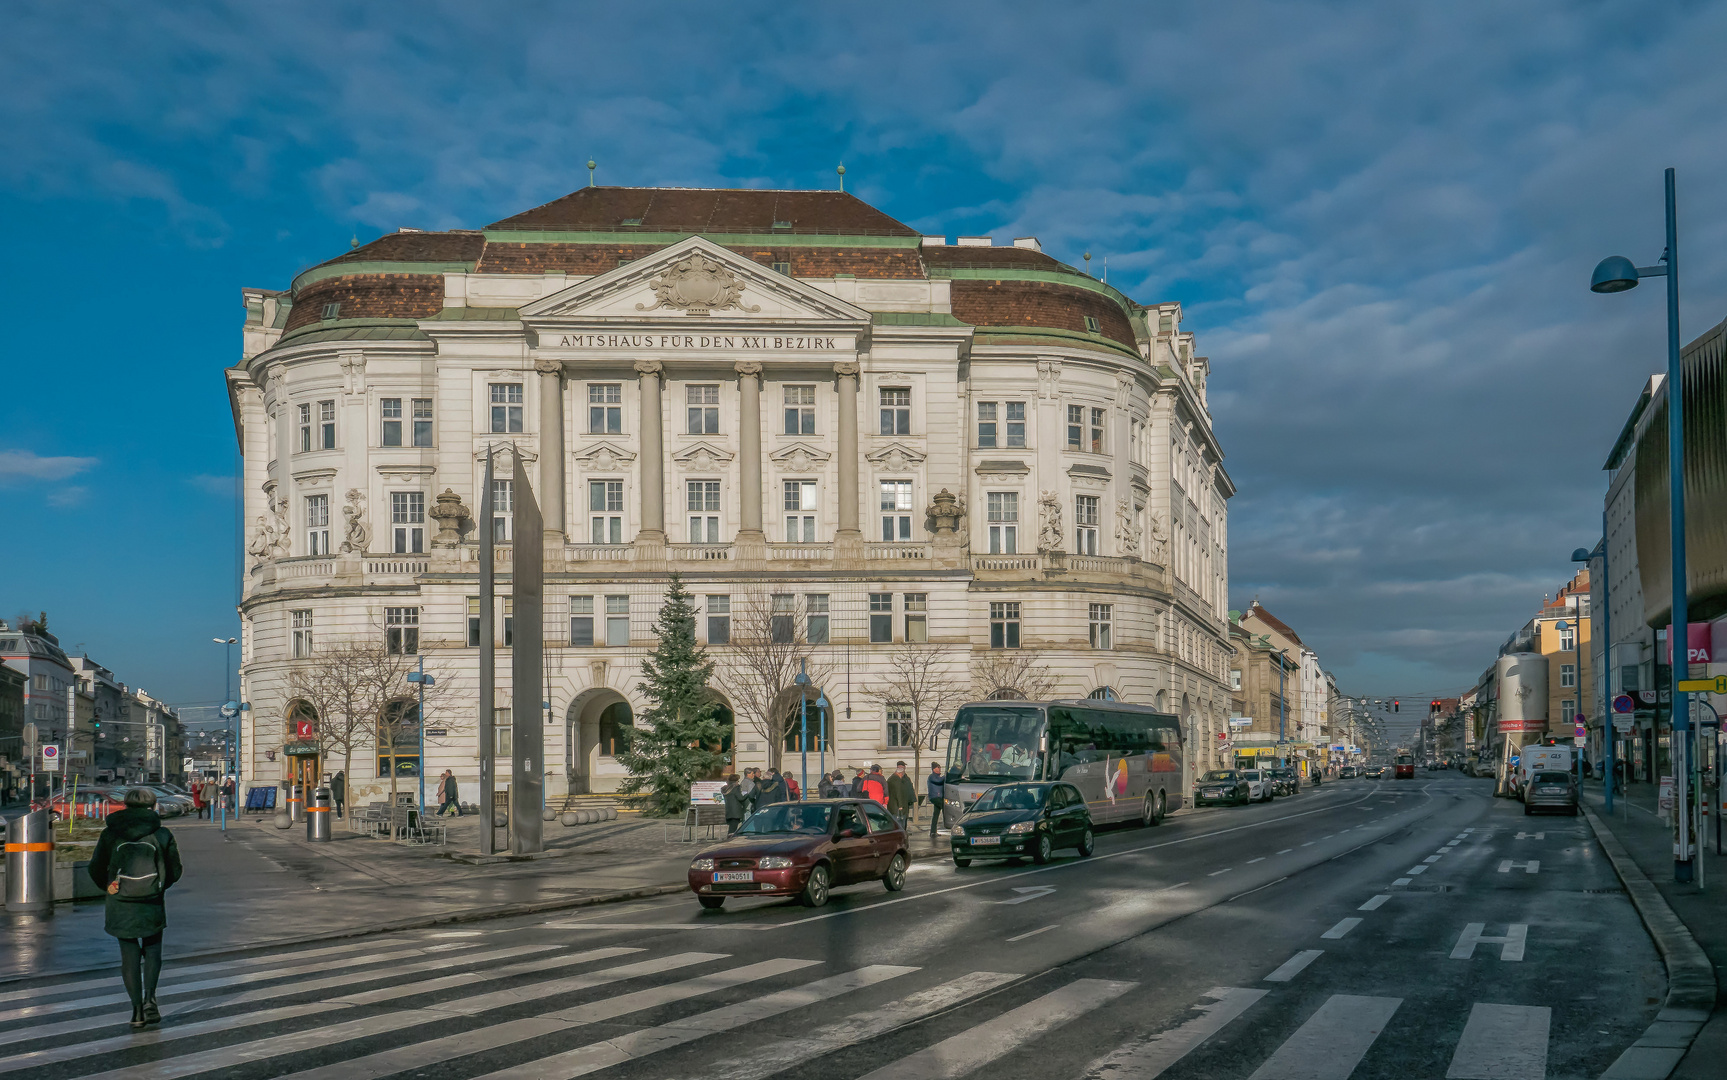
pixel 1012 673
pixel 923 679
pixel 758 669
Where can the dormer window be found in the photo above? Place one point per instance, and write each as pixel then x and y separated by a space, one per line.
pixel 1091 325
pixel 333 310
pixel 783 268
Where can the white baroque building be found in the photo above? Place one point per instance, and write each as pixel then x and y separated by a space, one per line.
pixel 968 446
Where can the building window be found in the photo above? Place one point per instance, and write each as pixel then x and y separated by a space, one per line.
pixel 582 621
pixel 391 408
pixel 1003 515
pixel 605 408
pixel 1075 427
pixel 783 268
pixel 408 521
pixel 800 410
pixel 703 500
pixel 1099 618
pixel 1000 424
pixel 1567 640
pixel 800 505
pixel 399 739
pixel 422 421
pixel 1085 524
pixel 506 407
pixel 719 620
pixel 895 510
pixel 1004 626
pixel 606 511
pixel 899 726
pixel 402 630
pixel 1568 710
pixel 326 425
pixel 305 429
pixel 1629 680
pixel 1235 680
pixel 782 619
pixel 1091 324
pixel 704 409
pixel 1097 426
pixel 332 310
pixel 317 524
pixel 509 621
pixel 617 621
pixel 502 722
pixel 988 431
pixel 1102 693
pixel 1567 674
pixel 917 616
pixel 302 623
pixel 881 616
pixel 1015 420
pixel 816 618
pixel 474 622
pixel 895 410
pixel 615 729
pixel 503 497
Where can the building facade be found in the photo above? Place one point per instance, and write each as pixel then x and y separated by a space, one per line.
pixel 832 427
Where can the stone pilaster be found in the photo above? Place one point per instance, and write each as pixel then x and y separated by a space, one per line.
pixel 751 542
pixel 848 538
pixel 552 480
pixel 651 537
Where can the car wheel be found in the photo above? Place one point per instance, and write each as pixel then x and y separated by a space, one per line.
pixel 894 879
pixel 1087 843
pixel 961 863
pixel 1528 810
pixel 815 892
pixel 712 903
pixel 1044 849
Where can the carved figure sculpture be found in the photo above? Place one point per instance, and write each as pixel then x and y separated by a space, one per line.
pixel 263 540
pixel 697 285
pixel 1127 530
pixel 282 535
pixel 357 533
pixel 1049 532
pixel 1159 538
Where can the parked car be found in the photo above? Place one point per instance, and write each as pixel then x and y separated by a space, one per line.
pixel 93 803
pixel 171 803
pixel 1346 772
pixel 1259 785
pixel 1222 786
pixel 1010 821
pixel 803 850
pixel 1556 791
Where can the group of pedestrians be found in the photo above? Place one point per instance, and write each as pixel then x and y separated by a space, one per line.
pixel 745 794
pixel 208 796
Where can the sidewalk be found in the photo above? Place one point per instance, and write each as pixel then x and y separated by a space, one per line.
pixel 1703 911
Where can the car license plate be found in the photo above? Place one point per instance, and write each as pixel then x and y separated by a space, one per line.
pixel 985 840
pixel 734 875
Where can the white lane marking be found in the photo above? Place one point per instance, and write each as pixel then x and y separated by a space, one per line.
pixel 1502 1042
pixel 1250 862
pixel 1373 904
pixel 457 933
pixel 1332 1042
pixel 1450 844
pixel 1431 859
pixel 1462 836
pixel 1511 945
pixel 1028 892
pixel 1308 844
pixel 1533 866
pixel 1034 933
pixel 1148 1059
pixel 1295 965
pixel 971 1050
pixel 1225 870
pixel 1286 851
pixel 1401 881
pixel 1422 869
pixel 1343 927
pixel 770 1054
pixel 1466 832
pixel 1532 836
pixel 659 926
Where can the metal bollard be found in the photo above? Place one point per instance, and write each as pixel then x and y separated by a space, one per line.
pixel 318 815
pixel 294 793
pixel 30 864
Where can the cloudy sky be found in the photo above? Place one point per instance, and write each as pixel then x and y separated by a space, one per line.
pixel 1381 220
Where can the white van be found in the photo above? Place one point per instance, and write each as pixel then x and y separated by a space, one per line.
pixel 1536 759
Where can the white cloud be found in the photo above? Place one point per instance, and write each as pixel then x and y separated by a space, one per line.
pixel 28 465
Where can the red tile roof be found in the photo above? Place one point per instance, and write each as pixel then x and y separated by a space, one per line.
pixel 711 210
pixel 1274 622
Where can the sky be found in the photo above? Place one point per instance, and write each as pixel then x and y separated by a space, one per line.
pixel 1380 220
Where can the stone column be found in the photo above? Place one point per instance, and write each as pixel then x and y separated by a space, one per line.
pixel 651 537
pixel 552 454
pixel 848 539
pixel 751 543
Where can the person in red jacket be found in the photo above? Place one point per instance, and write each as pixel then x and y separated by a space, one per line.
pixel 875 785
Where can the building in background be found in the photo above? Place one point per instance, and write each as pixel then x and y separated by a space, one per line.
pixel 1283 717
pixel 14 766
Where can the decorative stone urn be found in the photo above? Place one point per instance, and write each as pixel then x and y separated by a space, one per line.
pixel 449 513
pixel 946 511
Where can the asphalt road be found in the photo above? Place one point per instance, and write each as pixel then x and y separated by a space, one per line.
pixel 1397 929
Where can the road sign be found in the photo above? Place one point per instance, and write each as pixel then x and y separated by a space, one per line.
pixel 1580 731
pixel 1624 722
pixel 1717 685
pixel 1624 703
pixel 437 733
pixel 30 738
pixel 50 758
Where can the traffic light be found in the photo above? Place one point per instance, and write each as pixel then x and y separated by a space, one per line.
pixel 1394 705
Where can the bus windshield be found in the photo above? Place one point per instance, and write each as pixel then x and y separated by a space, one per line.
pixel 991 743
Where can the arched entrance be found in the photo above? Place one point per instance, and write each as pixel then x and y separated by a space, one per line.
pixel 727 748
pixel 808 729
pixel 597 725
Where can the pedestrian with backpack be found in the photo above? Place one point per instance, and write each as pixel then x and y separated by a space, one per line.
pixel 135 862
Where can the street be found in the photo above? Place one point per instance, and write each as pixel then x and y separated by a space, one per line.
pixel 1365 929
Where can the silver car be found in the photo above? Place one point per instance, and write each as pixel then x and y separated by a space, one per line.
pixel 1556 791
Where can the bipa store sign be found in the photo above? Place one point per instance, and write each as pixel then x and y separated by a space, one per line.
pixel 1699 647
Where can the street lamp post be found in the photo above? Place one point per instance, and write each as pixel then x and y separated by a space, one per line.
pixel 803 682
pixel 1617 274
pixel 822 707
pixel 230 711
pixel 1608 736
pixel 419 677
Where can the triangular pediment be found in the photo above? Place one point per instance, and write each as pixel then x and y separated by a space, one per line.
pixel 605 456
pixel 692 284
pixel 703 455
pixel 896 455
pixel 799 455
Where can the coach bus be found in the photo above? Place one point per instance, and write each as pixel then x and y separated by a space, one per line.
pixel 1404 767
pixel 1125 759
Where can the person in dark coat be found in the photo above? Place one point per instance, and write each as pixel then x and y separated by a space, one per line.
pixel 825 787
pixel 448 794
pixel 937 790
pixel 135 880
pixel 856 790
pixel 339 790
pixel 771 790
pixel 901 795
pixel 732 794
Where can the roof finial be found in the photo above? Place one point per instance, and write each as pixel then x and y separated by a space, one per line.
pixel 354 241
pixel 1088 262
pixel 590 172
pixel 842 171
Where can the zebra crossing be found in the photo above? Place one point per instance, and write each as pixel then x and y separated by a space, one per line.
pixel 506 1008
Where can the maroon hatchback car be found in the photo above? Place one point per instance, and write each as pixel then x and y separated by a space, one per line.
pixel 803 849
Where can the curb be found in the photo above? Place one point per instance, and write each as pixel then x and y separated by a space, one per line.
pixel 1690 975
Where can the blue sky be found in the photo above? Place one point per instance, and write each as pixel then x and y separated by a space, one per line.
pixel 1380 218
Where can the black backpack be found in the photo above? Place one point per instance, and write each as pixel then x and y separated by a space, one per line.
pixel 139 869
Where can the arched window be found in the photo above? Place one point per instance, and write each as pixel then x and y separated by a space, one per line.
pixel 399 738
pixel 1102 693
pixel 1006 693
pixel 819 723
pixel 302 721
pixel 616 727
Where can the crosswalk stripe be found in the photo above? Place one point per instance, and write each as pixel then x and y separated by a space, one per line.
pixel 638 1044
pixel 288 1012
pixel 229 1056
pixel 770 1054
pixel 1149 1058
pixel 450 1047
pixel 479 1003
pixel 1295 965
pixel 1332 1042
pixel 992 1039
pixel 1502 1042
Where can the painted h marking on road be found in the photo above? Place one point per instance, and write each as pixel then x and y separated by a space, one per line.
pixel 1295 965
pixel 1533 866
pixel 1343 927
pixel 1502 1042
pixel 1532 836
pixel 1332 1042
pixel 1373 904
pixel 1511 945
pixel 1149 1059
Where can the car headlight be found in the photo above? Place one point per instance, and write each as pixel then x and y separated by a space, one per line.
pixel 1022 826
pixel 702 864
pixel 959 830
pixel 774 862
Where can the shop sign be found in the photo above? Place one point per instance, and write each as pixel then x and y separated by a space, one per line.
pixel 1697 642
pixel 300 749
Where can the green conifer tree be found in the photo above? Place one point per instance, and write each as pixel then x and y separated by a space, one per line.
pixel 669 748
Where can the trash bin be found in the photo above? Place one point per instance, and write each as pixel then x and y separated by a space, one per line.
pixel 295 791
pixel 30 864
pixel 318 815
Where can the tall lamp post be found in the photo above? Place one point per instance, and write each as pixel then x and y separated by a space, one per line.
pixel 803 683
pixel 1617 274
pixel 230 710
pixel 419 678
